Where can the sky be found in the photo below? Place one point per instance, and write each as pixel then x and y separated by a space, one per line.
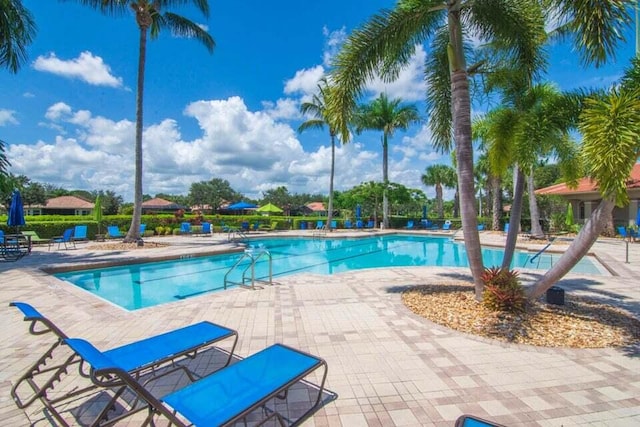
pixel 68 116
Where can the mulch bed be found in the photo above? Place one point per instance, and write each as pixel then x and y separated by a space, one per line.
pixel 580 323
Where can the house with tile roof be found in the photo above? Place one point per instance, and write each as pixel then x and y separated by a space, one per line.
pixel 585 197
pixel 158 205
pixel 63 205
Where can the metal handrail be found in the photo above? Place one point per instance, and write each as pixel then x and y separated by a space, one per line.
pixel 254 256
pixel 540 252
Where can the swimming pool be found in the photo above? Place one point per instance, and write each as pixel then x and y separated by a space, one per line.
pixel 137 286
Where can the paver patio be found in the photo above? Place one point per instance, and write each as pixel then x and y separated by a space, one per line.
pixel 388 366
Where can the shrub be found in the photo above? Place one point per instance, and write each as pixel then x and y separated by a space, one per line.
pixel 502 290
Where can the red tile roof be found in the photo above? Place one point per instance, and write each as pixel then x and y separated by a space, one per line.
pixel 586 185
pixel 67 202
pixel 316 206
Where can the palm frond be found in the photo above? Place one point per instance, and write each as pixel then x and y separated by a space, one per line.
pixel 387 40
pixel 439 92
pixel 184 27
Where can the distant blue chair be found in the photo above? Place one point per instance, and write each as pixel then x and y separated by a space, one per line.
pixel 447 225
pixel 630 233
pixel 244 226
pixel 409 225
pixel 206 228
pixel 480 227
pixel 256 226
pixel 347 224
pixel 334 224
pixel 320 225
pixel 113 232
pixel 371 224
pixel 185 228
pixel 80 233
pixel 67 237
pixel 506 227
pixel 143 228
pixel 426 224
pixel 359 224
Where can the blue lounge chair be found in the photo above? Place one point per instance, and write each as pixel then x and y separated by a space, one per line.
pixel 480 227
pixel 371 224
pixel 473 421
pixel 185 228
pixel 206 228
pixel 113 232
pixel 447 225
pixel 506 227
pixel 334 224
pixel 244 226
pixel 409 225
pixel 319 225
pixel 66 238
pixel 347 224
pixel 359 224
pixel 80 233
pixel 137 358
pixel 143 228
pixel 224 397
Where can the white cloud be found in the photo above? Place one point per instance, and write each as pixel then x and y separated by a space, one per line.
pixel 86 67
pixel 305 81
pixel 333 43
pixel 284 108
pixel 7 117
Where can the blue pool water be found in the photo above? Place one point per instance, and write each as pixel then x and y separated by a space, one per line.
pixel 143 285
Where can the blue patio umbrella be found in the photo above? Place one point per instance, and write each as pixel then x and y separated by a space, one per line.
pixel 358 211
pixel 241 206
pixel 424 211
pixel 16 211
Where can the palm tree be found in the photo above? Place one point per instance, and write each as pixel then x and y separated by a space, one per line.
pixel 386 116
pixel 610 128
pixel 150 17
pixel 17 29
pixel 439 176
pixel 515 27
pixel 316 108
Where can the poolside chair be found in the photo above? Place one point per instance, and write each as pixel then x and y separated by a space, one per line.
pixel 480 227
pixel 409 225
pixel 244 226
pixel 35 239
pixel 371 224
pixel 506 227
pixel 13 247
pixel 359 224
pixel 224 397
pixel 348 224
pixel 206 228
pixel 447 225
pixel 66 238
pixel 185 228
pixel 80 233
pixel 466 420
pixel 113 232
pixel 137 358
pixel 320 225
pixel 143 228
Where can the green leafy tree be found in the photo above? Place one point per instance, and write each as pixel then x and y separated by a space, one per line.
pixel 110 202
pixel 610 128
pixel 280 197
pixel 439 176
pixel 151 18
pixel 387 116
pixel 34 193
pixel 17 30
pixel 316 108
pixel 213 193
pixel 515 31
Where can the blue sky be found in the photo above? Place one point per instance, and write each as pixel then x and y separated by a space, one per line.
pixel 68 116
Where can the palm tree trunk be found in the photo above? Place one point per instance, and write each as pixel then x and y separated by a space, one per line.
pixel 464 154
pixel 496 189
pixel 134 230
pixel 333 165
pixel 514 218
pixel 576 251
pixel 439 205
pixel 536 228
pixel 385 180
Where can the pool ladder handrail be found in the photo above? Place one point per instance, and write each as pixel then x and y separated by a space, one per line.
pixel 540 252
pixel 255 254
pixel 235 234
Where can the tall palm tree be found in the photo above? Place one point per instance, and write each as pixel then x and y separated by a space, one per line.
pixel 439 176
pixel 316 108
pixel 516 27
pixel 17 30
pixel 387 116
pixel 610 128
pixel 151 18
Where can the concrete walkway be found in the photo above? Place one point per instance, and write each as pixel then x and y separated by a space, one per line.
pixel 388 366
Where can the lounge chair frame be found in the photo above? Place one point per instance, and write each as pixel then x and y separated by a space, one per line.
pixel 148 363
pixel 169 406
